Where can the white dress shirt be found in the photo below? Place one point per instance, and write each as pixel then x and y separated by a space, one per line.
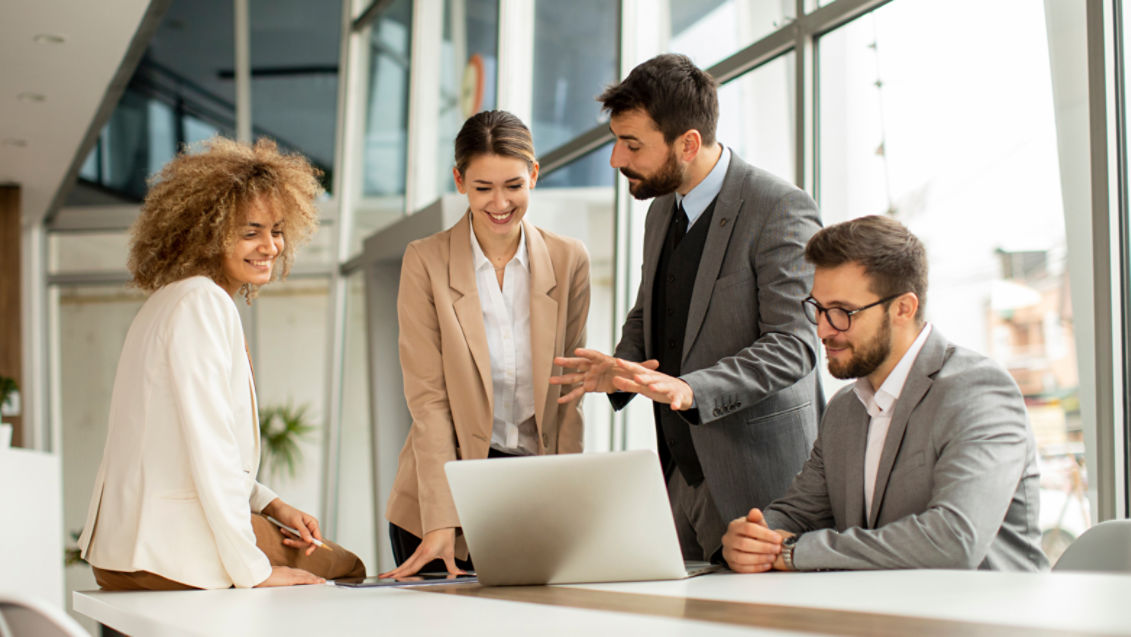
pixel 880 405
pixel 506 318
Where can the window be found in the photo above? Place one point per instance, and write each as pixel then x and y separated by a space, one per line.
pixel 962 148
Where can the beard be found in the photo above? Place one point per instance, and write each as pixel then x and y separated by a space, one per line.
pixel 664 181
pixel 866 357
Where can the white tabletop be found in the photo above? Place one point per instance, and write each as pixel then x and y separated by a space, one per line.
pixel 1070 602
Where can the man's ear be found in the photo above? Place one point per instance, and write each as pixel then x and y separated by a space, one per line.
pixel 689 145
pixel 906 306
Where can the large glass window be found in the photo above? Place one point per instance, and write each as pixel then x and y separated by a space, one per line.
pixel 384 151
pixel 575 53
pixel 468 75
pixel 294 76
pixel 962 148
pixel 708 31
pixel 756 117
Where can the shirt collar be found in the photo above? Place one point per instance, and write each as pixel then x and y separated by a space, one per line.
pixel 701 196
pixel 481 260
pixel 881 400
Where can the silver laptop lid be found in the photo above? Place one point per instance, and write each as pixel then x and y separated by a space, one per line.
pixel 573 518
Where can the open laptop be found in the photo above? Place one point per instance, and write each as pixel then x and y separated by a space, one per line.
pixel 568 519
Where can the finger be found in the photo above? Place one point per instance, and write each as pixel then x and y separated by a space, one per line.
pixel 312 524
pixel 450 563
pixel 571 362
pixel 574 394
pixel 651 364
pixel 567 379
pixel 627 384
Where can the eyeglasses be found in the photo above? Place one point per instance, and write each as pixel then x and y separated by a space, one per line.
pixel 839 318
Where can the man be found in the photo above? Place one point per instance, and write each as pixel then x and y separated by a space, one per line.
pixel 927 461
pixel 716 338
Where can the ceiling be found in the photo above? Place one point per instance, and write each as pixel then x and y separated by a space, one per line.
pixel 54 95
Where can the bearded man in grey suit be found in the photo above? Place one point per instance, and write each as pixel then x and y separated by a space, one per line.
pixel 927 461
pixel 717 338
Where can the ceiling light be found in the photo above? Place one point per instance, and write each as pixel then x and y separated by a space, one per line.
pixel 49 38
pixel 31 97
pixel 15 142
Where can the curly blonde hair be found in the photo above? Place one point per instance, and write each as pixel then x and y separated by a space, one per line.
pixel 199 200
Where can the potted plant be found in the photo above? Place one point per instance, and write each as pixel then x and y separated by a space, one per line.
pixel 281 428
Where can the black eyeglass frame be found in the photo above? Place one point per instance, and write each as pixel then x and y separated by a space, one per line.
pixel 819 309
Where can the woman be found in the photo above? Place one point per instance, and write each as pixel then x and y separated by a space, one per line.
pixel 176 504
pixel 484 307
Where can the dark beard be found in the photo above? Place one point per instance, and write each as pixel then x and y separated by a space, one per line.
pixel 865 361
pixel 666 180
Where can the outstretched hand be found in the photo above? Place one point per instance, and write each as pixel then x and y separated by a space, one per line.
pixel 593 371
pixel 658 386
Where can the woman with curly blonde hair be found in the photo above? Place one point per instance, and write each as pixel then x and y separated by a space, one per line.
pixel 176 502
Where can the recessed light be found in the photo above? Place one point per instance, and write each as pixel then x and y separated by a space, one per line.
pixel 31 97
pixel 49 38
pixel 15 142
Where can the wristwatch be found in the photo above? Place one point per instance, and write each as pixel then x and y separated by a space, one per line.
pixel 787 547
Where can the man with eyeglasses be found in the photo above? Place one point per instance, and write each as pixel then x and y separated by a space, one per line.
pixel 927 461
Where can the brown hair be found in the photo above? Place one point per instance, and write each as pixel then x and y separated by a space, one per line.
pixel 675 93
pixel 198 200
pixel 493 133
pixel 894 258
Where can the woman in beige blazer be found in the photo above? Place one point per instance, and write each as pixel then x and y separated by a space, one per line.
pixel 176 502
pixel 483 308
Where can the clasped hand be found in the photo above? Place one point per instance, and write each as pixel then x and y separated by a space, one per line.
pixel 749 545
pixel 593 371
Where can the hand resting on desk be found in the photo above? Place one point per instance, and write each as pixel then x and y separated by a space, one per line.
pixel 749 546
pixel 438 543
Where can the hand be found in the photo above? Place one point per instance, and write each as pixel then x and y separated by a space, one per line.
pixel 658 386
pixel 594 373
pixel 439 543
pixel 287 576
pixel 304 523
pixel 749 545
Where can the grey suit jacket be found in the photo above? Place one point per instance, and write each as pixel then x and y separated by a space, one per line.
pixel 748 352
pixel 957 484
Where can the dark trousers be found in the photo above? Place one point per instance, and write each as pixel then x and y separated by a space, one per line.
pixel 405 543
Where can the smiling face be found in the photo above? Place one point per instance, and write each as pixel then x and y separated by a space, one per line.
pixel 641 154
pixel 864 349
pixel 258 242
pixel 498 192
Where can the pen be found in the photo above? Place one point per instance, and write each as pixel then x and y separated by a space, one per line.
pixel 317 542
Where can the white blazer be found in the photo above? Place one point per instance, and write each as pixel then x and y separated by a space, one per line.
pixel 177 487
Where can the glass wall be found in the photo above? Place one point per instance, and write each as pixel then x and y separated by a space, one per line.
pixel 708 31
pixel 757 116
pixel 385 146
pixel 575 58
pixel 977 179
pixel 294 76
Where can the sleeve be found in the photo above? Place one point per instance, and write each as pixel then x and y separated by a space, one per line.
pixel 805 505
pixel 261 496
pixel 786 350
pixel 199 350
pixel 571 429
pixel 984 448
pixel 433 438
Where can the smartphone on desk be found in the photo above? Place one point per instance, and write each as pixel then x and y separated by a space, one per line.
pixel 420 579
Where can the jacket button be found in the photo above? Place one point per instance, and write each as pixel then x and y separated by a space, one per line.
pixel 718 412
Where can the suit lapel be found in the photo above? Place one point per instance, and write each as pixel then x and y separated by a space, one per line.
pixel 469 312
pixel 919 380
pixel 543 318
pixel 727 206
pixel 660 213
pixel 855 444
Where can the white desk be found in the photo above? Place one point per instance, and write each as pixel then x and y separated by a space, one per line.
pixel 861 603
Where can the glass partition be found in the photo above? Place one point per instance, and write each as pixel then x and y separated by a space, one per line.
pixel 709 31
pixel 757 117
pixel 575 58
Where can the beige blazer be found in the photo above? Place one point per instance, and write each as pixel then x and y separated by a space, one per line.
pixel 177 485
pixel 447 367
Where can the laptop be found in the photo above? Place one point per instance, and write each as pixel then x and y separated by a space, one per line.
pixel 568 519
